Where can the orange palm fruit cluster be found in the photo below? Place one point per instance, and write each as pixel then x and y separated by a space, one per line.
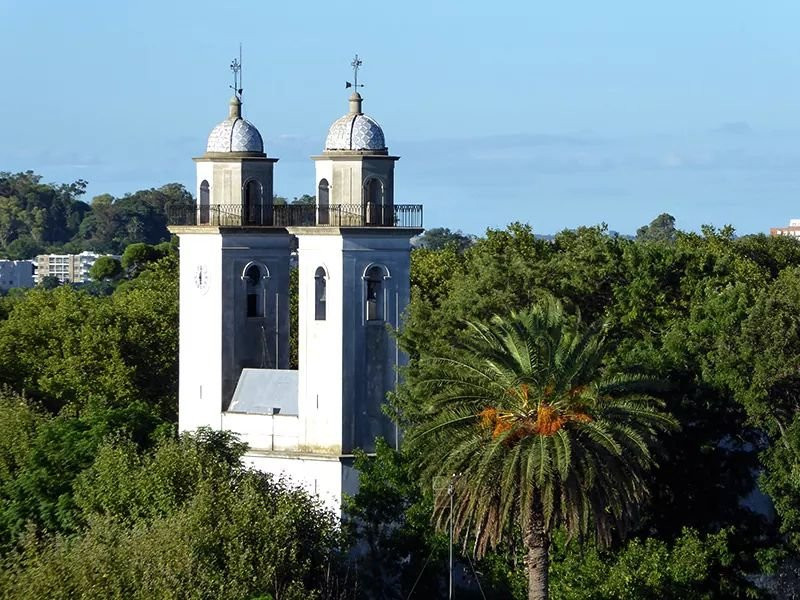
pixel 547 422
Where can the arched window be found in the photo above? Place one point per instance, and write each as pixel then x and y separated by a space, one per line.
pixel 373 278
pixel 204 203
pixel 253 278
pixel 373 201
pixel 252 203
pixel 319 294
pixel 323 190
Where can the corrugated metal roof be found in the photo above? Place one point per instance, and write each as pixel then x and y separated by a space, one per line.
pixel 266 392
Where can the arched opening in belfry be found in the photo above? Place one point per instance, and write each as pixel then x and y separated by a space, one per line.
pixel 373 201
pixel 320 300
pixel 323 191
pixel 205 207
pixel 252 207
pixel 254 282
pixel 373 279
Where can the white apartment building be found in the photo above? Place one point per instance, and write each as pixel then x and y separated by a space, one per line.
pixel 68 268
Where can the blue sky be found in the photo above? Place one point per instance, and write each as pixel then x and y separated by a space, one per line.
pixel 555 113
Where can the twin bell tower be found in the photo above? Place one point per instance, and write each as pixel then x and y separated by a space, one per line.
pixel 237 269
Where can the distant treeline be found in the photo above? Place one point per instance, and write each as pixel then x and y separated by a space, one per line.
pixel 37 217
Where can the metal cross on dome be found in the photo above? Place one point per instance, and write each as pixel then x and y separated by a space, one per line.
pixel 236 68
pixel 357 62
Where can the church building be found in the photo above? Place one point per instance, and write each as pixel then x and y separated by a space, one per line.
pixel 353 249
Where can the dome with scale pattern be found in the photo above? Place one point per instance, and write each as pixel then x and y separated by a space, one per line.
pixel 235 134
pixel 355 131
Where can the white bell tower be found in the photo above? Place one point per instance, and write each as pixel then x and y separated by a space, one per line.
pixel 234 273
pixel 353 282
pixel 353 286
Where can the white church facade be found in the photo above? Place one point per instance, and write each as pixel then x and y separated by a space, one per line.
pixel 353 251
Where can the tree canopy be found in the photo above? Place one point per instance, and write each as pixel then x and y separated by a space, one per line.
pixel 529 435
pixel 37 217
pixel 438 238
pixel 710 314
pixel 660 229
pixel 105 267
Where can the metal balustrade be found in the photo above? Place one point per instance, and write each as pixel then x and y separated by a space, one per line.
pixel 296 215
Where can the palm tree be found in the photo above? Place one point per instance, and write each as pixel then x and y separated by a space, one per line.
pixel 522 422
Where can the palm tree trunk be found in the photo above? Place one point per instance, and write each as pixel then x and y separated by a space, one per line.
pixel 537 559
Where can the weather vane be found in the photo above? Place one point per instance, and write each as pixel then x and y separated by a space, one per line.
pixel 236 67
pixel 355 64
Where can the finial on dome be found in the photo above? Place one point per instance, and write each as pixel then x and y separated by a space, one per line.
pixel 235 105
pixel 355 104
pixel 235 110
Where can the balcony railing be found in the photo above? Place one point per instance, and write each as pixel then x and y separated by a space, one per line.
pixel 297 215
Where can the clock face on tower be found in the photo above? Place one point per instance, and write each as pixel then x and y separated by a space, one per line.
pixel 201 278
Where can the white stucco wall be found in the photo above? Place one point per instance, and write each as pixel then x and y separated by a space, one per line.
pixel 320 344
pixel 317 475
pixel 344 178
pixel 265 433
pixel 200 343
pixel 226 178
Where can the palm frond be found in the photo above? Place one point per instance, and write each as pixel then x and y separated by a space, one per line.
pixel 521 419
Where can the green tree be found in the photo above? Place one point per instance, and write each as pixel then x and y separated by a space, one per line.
pixel 72 351
pixel 42 213
pixel 140 217
pixel 49 282
pixel 533 436
pixel 660 229
pixel 305 200
pixel 137 256
pixel 692 567
pixel 432 271
pixel 92 367
pixel 389 518
pixel 673 312
pixel 105 267
pixel 437 238
pixel 23 248
pixel 183 520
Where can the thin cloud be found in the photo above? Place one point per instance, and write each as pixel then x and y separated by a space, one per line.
pixel 734 128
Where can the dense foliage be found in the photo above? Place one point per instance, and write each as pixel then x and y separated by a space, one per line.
pixel 92 367
pixel 96 489
pixel 37 217
pixel 714 316
pixel 184 520
pixel 98 497
pixel 529 435
pixel 438 238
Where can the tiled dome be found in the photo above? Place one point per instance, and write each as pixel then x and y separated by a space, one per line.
pixel 355 131
pixel 235 134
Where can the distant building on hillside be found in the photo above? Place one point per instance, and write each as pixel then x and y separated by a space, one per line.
pixel 68 268
pixel 793 229
pixel 16 274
